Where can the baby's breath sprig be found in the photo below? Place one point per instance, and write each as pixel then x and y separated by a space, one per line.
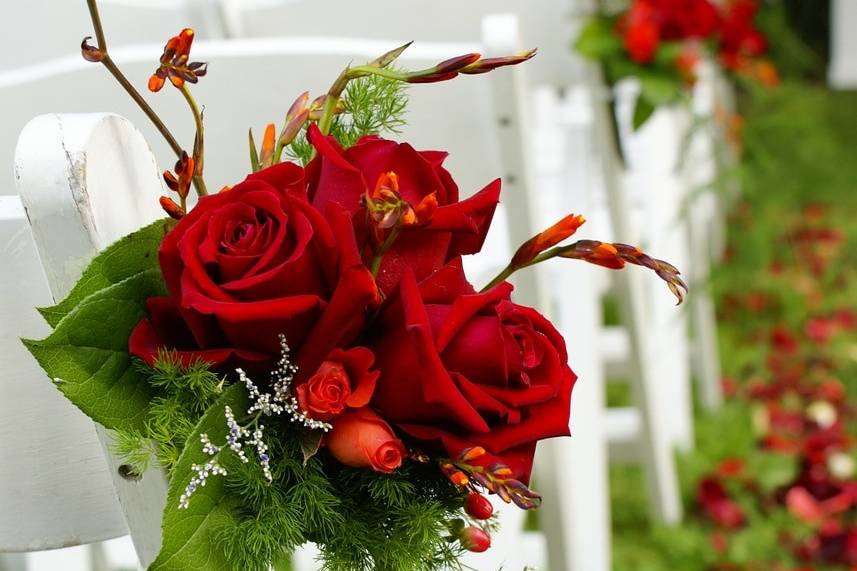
pixel 249 433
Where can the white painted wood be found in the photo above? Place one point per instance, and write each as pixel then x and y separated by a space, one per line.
pixel 547 24
pixel 842 73
pixel 55 487
pixel 87 180
pixel 501 35
pixel 577 501
pixel 704 233
pixel 655 181
pixel 656 446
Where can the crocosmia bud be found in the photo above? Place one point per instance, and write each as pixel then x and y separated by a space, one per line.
pixel 478 506
pixel 474 539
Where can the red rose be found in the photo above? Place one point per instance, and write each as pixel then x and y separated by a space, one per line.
pixel 253 262
pixel 361 439
pixel 641 32
pixel 344 176
pixel 464 369
pixel 342 381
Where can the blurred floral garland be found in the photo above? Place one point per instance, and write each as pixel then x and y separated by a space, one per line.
pixel 661 42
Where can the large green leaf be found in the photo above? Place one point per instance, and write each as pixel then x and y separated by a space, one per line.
pixel 87 353
pixel 191 536
pixel 598 40
pixel 135 253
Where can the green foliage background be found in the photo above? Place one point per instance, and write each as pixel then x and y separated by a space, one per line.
pixel 799 142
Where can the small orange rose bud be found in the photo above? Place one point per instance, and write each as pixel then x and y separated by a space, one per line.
pixel 478 506
pixel 362 439
pixel 474 539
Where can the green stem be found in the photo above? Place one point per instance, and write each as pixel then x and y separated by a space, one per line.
pixel 108 62
pixel 509 270
pixel 199 141
pixel 330 103
pixel 379 255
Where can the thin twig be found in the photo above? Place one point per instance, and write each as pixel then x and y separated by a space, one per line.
pixel 123 81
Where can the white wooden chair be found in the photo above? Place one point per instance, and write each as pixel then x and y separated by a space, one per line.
pixel 842 72
pixel 85 181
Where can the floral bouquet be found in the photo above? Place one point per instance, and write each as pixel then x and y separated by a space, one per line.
pixel 302 354
pixel 660 42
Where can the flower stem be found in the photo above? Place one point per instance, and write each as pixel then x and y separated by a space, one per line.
pixel 335 92
pixel 199 141
pixel 379 255
pixel 108 62
pixel 510 269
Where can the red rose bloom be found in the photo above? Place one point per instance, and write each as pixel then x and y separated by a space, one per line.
pixel 344 176
pixel 462 369
pixel 253 262
pixel 641 32
pixel 361 439
pixel 342 381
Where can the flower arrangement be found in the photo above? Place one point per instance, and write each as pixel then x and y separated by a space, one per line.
pixel 302 354
pixel 660 42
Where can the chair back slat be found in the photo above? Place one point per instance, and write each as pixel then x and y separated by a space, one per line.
pixel 56 488
pixel 86 181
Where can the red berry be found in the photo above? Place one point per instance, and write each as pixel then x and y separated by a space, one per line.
pixel 478 506
pixel 474 539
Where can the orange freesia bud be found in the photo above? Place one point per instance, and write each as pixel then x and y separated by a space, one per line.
pixel 171 208
pixel 156 82
pixel 425 209
pixel 470 64
pixel 459 479
pixel 489 64
pixel 174 63
pixel 90 53
pixel 180 181
pixel 317 106
pixel 266 157
pixel 298 107
pixel 456 63
pixel 547 239
pixel 615 256
pixel 473 453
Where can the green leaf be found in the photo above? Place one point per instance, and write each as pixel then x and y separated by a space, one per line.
pixel 310 443
pixel 87 353
pixel 598 39
pixel 190 536
pixel 133 254
pixel 643 109
pixel 658 87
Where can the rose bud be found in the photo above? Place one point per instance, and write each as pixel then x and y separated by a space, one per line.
pixel 474 539
pixel 362 439
pixel 478 506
